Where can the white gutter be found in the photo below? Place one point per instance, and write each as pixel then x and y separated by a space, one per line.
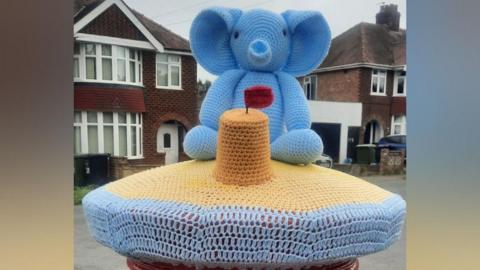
pixel 359 65
pixel 178 52
pixel 114 40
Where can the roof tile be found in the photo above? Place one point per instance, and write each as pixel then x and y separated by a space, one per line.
pixel 367 43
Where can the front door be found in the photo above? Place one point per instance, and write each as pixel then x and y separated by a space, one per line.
pixel 352 142
pixel 167 142
pixel 373 132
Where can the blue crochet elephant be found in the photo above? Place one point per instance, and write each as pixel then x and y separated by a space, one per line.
pixel 259 47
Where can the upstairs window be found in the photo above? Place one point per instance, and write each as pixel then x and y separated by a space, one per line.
pixel 310 87
pixel 168 71
pixel 400 83
pixel 107 64
pixel 379 83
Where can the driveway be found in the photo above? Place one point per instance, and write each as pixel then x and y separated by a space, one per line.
pixel 89 255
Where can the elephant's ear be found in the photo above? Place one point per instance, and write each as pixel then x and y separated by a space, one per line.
pixel 310 41
pixel 210 39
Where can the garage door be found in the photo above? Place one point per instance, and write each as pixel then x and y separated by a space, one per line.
pixel 330 134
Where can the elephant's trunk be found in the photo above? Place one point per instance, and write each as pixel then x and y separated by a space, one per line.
pixel 259 53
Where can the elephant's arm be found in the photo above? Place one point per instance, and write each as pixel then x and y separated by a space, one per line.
pixel 219 98
pixel 296 112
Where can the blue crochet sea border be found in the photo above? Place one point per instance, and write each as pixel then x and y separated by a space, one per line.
pixel 176 232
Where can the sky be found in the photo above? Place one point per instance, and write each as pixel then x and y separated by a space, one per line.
pixel 177 15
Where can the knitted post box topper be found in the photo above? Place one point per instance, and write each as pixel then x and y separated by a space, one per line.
pixel 243 210
pixel 259 47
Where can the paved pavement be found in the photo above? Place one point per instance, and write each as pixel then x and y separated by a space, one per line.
pixel 89 255
pixel 394 258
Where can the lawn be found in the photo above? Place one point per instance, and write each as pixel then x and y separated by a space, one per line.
pixel 80 192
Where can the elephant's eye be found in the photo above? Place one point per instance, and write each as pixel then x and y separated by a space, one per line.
pixel 284 32
pixel 235 35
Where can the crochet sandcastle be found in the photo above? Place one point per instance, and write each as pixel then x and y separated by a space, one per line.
pixel 243 155
pixel 243 210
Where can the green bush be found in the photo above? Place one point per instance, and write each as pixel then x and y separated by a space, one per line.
pixel 80 192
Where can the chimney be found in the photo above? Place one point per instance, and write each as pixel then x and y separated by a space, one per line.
pixel 389 16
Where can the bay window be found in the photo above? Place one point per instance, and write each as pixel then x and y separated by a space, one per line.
pixel 116 133
pixel 168 71
pixel 379 82
pixel 400 83
pixel 106 63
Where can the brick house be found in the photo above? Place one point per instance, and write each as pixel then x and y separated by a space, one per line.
pixel 134 85
pixel 358 94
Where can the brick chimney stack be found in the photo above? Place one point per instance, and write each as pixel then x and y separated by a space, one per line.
pixel 389 16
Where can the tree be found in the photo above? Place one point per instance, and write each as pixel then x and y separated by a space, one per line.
pixel 200 86
pixel 203 86
pixel 207 84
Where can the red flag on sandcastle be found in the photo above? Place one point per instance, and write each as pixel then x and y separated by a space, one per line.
pixel 258 97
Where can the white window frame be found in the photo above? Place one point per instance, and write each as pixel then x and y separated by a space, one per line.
pixel 136 60
pixel 114 57
pixel 403 125
pixel 100 125
pixel 169 64
pixel 83 64
pixel 395 84
pixel 376 77
pixel 79 124
pixel 307 81
pixel 125 60
pixel 77 57
pixel 138 130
